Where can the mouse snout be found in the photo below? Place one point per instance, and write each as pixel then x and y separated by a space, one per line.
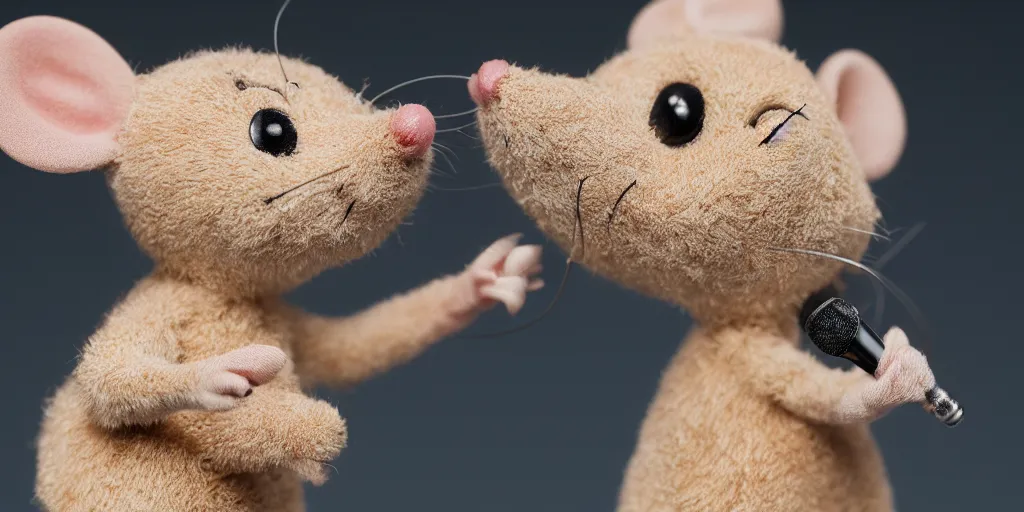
pixel 413 128
pixel 483 86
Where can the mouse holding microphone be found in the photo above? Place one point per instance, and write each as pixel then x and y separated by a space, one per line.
pixel 708 167
pixel 242 175
pixel 836 327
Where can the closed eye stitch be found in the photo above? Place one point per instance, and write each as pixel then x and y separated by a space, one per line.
pixel 775 131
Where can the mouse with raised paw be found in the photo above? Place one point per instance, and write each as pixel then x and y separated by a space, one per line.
pixel 242 176
pixel 709 167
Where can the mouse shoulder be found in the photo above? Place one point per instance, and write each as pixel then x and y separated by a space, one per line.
pixel 188 322
pixel 164 303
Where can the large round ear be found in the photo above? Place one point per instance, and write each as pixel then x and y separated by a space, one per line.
pixel 64 95
pixel 672 19
pixel 870 108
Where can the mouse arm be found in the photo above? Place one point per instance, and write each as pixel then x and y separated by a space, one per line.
pixel 348 350
pixel 352 349
pixel 272 428
pixel 130 375
pixel 129 379
pixel 801 384
pixel 231 409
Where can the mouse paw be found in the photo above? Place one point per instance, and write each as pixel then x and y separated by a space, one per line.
pixel 317 437
pixel 505 272
pixel 226 379
pixel 903 375
pixel 904 367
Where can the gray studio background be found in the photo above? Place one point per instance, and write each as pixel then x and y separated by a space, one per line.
pixel 544 420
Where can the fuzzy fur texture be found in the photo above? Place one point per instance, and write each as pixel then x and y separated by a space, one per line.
pixel 190 396
pixel 743 420
pixel 128 431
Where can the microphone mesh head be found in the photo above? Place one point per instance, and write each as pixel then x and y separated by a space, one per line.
pixel 833 326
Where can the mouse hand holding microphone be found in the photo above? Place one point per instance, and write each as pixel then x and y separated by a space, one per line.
pixel 902 374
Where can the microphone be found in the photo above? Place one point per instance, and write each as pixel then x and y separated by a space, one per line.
pixel 835 327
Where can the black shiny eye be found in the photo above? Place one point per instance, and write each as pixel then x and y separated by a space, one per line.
pixel 272 132
pixel 678 114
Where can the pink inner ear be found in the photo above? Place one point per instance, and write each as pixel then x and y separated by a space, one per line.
pixel 869 107
pixel 66 94
pixel 672 19
pixel 761 19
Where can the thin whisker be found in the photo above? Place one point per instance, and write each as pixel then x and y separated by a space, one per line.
pixel 420 79
pixel 449 160
pixel 885 258
pixel 437 171
pixel 464 189
pixel 442 146
pixel 611 214
pixel 899 246
pixel 889 232
pixel 468 135
pixel 446 130
pixel 889 285
pixel 303 184
pixel 561 286
pixel 280 62
pixel 445 150
pixel 460 114
pixel 879 301
pixel 874 235
pixel 579 221
pixel 551 306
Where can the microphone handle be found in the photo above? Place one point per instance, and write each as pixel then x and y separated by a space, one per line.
pixel 866 350
pixel 943 407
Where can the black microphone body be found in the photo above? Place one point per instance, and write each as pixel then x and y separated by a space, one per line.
pixel 867 350
pixel 835 327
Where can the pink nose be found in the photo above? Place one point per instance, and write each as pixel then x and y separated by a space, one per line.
pixel 483 86
pixel 413 128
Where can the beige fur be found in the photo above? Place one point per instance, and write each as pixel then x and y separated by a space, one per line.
pixel 743 420
pixel 190 394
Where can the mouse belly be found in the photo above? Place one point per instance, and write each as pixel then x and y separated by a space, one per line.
pixel 717 447
pixel 83 467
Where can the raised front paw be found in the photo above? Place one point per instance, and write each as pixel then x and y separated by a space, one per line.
pixel 225 379
pixel 316 438
pixel 903 375
pixel 505 272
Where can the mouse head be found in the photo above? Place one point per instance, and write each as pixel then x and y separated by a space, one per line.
pixel 226 172
pixel 681 166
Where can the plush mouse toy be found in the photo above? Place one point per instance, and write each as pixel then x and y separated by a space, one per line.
pixel 709 167
pixel 241 183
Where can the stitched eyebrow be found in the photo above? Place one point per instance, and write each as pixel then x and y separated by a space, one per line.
pixel 243 84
